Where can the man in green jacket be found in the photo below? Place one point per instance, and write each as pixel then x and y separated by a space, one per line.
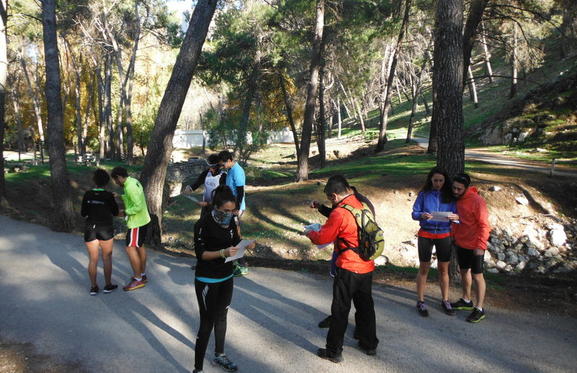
pixel 137 220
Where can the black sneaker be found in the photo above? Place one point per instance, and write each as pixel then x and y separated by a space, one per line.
pixel 368 351
pixel 476 316
pixel 325 323
pixel 446 305
pixel 422 309
pixel 109 288
pixel 462 305
pixel 224 362
pixel 94 290
pixel 324 354
pixel 197 371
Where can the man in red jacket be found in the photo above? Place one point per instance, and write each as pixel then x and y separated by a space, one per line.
pixel 354 277
pixel 470 239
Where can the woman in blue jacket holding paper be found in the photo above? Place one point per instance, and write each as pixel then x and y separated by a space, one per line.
pixel 435 209
pixel 215 239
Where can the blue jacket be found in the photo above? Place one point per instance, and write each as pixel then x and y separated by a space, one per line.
pixel 430 201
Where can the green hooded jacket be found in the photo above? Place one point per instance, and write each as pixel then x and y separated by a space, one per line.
pixel 135 204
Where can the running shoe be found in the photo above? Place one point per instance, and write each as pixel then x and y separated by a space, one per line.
pixel 422 309
pixel 446 305
pixel 462 305
pixel 324 354
pixel 476 316
pixel 144 279
pixel 109 288
pixel 133 285
pixel 224 362
pixel 240 270
pixel 368 351
pixel 325 323
pixel 197 371
pixel 94 290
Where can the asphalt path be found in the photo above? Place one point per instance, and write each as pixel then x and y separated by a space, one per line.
pixel 496 159
pixel 271 324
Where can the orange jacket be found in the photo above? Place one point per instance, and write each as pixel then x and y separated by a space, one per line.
pixel 341 228
pixel 473 230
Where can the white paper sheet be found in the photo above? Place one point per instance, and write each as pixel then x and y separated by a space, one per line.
pixel 440 215
pixel 315 227
pixel 241 249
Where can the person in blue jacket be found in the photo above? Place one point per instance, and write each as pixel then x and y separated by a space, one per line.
pixel 435 196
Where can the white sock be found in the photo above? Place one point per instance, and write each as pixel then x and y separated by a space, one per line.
pixel 480 309
pixel 466 300
pixel 138 278
pixel 142 274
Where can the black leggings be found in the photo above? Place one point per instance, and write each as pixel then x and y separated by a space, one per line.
pixel 468 260
pixel 442 245
pixel 213 302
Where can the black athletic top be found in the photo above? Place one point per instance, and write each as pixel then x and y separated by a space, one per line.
pixel 99 206
pixel 210 236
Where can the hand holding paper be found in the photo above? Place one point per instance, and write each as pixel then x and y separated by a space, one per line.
pixel 241 248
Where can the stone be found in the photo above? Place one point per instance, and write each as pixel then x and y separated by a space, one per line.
pixel 381 260
pixel 521 266
pixel 557 235
pixel 501 256
pixel 501 265
pixel 495 188
pixel 532 252
pixel 518 247
pixel 563 269
pixel 552 251
pixel 541 269
pixel 512 259
pixel 508 268
pixel 492 270
pixel 522 200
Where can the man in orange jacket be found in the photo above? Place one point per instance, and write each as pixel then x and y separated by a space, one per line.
pixel 354 276
pixel 470 239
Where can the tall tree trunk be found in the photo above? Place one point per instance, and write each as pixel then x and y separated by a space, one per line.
pixel 63 213
pixel 474 18
pixel 339 117
pixel 514 64
pixel 448 92
pixel 383 121
pixel 160 145
pixel 312 89
pixel 289 113
pixel 36 106
pixel 111 134
pixel 3 78
pixel 89 103
pixel 448 86
pixel 472 87
pixel 360 115
pixel 321 120
pixel 251 88
pixel 78 111
pixel 100 115
pixel 19 127
pixel 416 86
pixel 486 54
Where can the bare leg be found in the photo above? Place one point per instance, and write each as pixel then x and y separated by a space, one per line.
pixel 134 258
pixel 479 289
pixel 422 280
pixel 92 248
pixel 467 281
pixel 107 259
pixel 444 279
pixel 142 255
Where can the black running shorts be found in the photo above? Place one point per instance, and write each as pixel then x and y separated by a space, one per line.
pixel 468 260
pixel 98 232
pixel 442 247
pixel 135 236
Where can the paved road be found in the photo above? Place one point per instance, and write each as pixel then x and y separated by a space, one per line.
pixel 497 159
pixel 272 322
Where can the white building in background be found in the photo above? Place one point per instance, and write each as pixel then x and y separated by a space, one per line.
pixel 284 136
pixel 186 139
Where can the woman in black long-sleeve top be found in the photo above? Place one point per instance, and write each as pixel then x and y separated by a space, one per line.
pixel 98 207
pixel 215 239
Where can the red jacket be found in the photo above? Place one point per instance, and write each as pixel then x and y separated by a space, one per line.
pixel 473 230
pixel 341 228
